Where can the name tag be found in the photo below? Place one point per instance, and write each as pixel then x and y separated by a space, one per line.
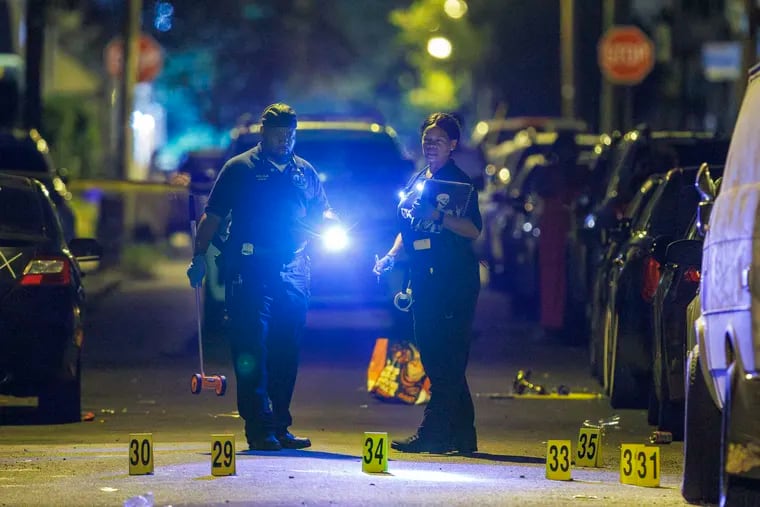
pixel 422 244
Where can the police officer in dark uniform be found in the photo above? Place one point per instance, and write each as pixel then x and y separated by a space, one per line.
pixel 445 282
pixel 276 203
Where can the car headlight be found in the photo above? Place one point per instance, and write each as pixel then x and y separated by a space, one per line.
pixel 335 238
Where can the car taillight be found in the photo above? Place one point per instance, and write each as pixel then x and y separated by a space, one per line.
pixel 692 275
pixel 650 279
pixel 50 271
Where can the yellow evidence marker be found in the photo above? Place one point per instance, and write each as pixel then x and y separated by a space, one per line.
pixel 558 460
pixel 375 452
pixel 223 454
pixel 140 453
pixel 640 465
pixel 588 453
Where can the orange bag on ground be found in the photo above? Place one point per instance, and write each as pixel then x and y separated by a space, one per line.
pixel 395 373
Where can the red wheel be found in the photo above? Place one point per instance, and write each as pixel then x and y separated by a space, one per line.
pixel 221 385
pixel 196 383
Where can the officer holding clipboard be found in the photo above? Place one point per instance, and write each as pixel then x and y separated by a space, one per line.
pixel 439 219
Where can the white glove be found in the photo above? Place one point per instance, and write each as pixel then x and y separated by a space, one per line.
pixel 384 264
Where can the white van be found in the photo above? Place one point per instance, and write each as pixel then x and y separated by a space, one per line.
pixel 722 432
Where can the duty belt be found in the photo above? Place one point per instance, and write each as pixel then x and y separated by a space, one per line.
pixel 247 249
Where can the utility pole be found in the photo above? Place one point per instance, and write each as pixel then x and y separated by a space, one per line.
pixel 567 56
pixel 131 30
pixel 35 42
pixel 607 110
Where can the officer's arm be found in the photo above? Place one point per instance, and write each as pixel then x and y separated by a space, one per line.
pixel 462 226
pixel 207 227
pixel 398 246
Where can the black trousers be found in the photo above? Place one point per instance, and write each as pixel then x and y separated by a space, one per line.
pixel 267 303
pixel 443 314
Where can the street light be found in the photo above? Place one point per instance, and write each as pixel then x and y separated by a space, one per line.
pixel 439 47
pixel 455 9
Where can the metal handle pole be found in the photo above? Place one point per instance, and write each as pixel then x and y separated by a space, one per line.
pixel 193 232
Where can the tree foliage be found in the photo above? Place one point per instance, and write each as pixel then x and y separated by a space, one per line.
pixel 439 84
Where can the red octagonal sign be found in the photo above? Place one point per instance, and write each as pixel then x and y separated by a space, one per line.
pixel 150 60
pixel 626 55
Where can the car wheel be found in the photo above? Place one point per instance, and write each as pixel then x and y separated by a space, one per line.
pixel 734 490
pixel 624 389
pixel 61 401
pixel 702 429
pixel 596 343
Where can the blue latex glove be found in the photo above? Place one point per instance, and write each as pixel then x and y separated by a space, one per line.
pixel 383 264
pixel 423 209
pixel 197 270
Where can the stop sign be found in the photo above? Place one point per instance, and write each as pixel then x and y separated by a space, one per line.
pixel 150 60
pixel 626 55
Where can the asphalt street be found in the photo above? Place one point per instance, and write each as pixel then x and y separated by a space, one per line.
pixel 141 349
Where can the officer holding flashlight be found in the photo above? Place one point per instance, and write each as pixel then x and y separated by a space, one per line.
pixel 277 203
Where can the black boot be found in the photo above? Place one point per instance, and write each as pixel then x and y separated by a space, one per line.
pixel 417 443
pixel 290 441
pixel 465 441
pixel 266 442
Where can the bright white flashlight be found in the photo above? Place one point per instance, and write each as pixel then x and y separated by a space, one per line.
pixel 335 238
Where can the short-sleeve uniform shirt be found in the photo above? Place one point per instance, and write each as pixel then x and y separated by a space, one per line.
pixel 272 209
pixel 449 255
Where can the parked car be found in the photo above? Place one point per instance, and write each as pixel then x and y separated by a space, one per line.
pixel 617 236
pixel 488 134
pixel 625 162
pixel 632 285
pixel 363 167
pixel 721 450
pixel 42 299
pixel 679 281
pixel 26 153
pixel 511 208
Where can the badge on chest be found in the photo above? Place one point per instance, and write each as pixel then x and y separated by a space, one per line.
pixel 297 177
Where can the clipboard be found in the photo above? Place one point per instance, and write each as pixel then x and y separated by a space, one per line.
pixel 450 197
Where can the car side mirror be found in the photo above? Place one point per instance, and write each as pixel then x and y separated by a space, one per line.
pixel 704 209
pixel 705 184
pixel 685 251
pixel 85 249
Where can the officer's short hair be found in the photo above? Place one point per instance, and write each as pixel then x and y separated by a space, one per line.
pixel 447 122
pixel 279 115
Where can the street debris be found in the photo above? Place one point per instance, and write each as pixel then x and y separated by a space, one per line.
pixel 602 424
pixel 523 385
pixel 145 500
pixel 523 388
pixel 660 437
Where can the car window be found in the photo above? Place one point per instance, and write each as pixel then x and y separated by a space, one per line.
pixel 18 155
pixel 641 209
pixel 672 209
pixel 20 212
